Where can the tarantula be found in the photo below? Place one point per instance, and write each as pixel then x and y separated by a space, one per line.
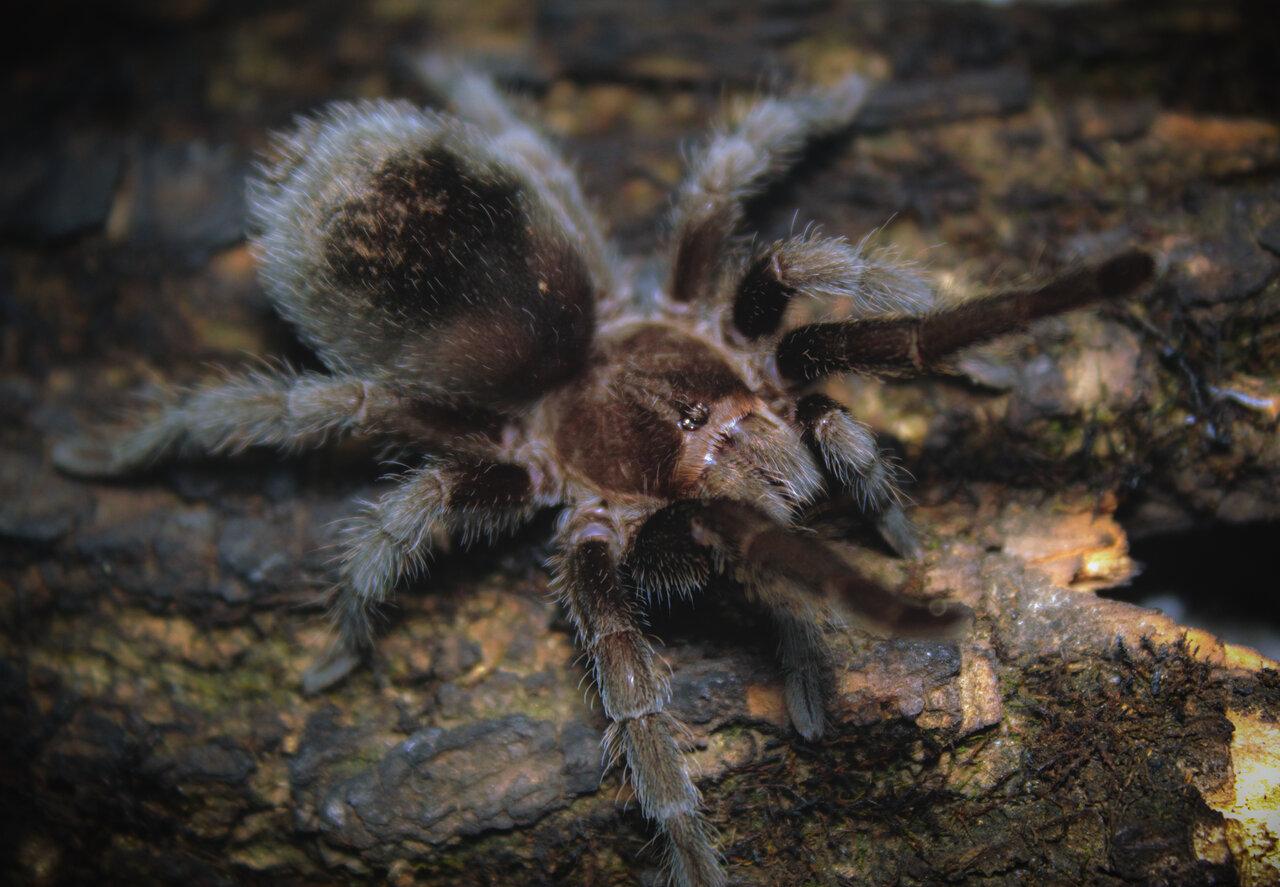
pixel 450 276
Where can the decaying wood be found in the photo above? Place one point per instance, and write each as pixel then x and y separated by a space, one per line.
pixel 154 631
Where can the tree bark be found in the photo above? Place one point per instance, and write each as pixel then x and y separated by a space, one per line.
pixel 154 631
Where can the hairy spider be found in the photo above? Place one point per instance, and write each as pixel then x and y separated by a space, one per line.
pixel 449 274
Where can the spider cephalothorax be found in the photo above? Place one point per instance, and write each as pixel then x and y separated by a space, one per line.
pixel 465 303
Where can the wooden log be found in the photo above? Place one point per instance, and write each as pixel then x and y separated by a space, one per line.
pixel 153 632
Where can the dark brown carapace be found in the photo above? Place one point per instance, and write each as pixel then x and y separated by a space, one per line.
pixel 465 303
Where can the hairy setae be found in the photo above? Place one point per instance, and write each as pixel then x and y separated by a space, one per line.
pixel 449 274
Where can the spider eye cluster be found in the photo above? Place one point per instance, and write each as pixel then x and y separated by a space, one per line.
pixel 693 416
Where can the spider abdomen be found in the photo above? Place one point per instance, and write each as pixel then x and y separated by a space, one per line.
pixel 406 249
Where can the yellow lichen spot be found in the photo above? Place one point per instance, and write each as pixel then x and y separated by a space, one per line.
pixel 1250 800
pixel 1084 549
pixel 1246 659
pixel 1217 134
pixel 980 702
pixel 1205 647
pixel 765 702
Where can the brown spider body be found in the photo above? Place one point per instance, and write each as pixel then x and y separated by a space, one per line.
pixel 465 304
pixel 657 413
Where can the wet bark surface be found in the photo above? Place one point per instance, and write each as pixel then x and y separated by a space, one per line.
pixel 153 632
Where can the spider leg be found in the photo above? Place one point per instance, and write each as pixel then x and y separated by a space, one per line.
pixel 792 574
pixel 803 655
pixel 761 550
pixel 393 536
pixel 664 560
pixel 634 690
pixel 874 282
pixel 734 165
pixel 849 450
pixel 474 97
pixel 280 408
pixel 909 345
pixel 678 547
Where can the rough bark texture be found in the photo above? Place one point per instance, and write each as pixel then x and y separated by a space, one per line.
pixel 152 633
